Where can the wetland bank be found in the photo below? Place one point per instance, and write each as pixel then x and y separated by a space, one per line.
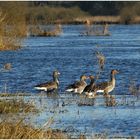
pixel 67 115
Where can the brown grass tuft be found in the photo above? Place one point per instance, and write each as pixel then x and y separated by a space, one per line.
pixel 20 130
pixel 15 106
pixel 134 90
pixel 101 59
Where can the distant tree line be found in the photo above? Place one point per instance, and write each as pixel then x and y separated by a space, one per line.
pixel 21 14
pixel 49 11
pixel 127 10
pixel 95 7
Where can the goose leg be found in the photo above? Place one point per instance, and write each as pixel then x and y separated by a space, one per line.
pixel 106 94
pixel 112 101
pixel 107 98
pixel 56 90
pixel 107 101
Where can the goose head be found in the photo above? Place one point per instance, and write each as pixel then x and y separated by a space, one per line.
pixel 55 76
pixel 113 72
pixel 91 77
pixel 56 73
pixel 83 77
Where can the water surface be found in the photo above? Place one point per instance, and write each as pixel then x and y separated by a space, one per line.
pixel 74 55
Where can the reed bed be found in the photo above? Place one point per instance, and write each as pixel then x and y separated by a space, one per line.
pixel 134 89
pixel 19 130
pixel 107 19
pixel 16 106
pixel 37 31
pixel 99 19
pixel 14 95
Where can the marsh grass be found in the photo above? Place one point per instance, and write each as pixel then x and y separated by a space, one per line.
pixel 13 26
pixel 103 135
pixel 90 103
pixel 19 130
pixel 99 19
pixel 37 31
pixel 49 15
pixel 134 89
pixel 16 94
pixel 100 59
pixel 16 106
pixel 7 66
pixel 124 18
pixel 106 135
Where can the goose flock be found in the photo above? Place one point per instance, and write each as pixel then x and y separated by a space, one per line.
pixel 81 86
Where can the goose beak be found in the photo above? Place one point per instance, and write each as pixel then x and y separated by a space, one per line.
pixel 117 71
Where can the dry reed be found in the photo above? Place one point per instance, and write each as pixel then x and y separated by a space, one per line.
pixel 16 106
pixel 101 59
pixel 19 130
pixel 134 90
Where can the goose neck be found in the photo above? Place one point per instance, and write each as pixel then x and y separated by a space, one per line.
pixel 55 79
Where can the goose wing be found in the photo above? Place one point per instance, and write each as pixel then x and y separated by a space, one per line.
pixel 48 85
pixel 89 88
pixel 102 86
pixel 77 84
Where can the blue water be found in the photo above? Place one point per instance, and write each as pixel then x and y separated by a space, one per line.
pixel 73 55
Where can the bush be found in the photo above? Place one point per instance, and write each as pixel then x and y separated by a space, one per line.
pixel 47 14
pixel 12 25
pixel 129 13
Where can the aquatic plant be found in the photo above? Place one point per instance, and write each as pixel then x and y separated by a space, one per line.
pixel 7 66
pixel 100 59
pixel 134 89
pixel 103 135
pixel 16 106
pixel 37 31
pixel 90 102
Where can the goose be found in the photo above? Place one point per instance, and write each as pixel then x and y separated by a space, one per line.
pixel 89 89
pixel 51 85
pixel 78 86
pixel 107 87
